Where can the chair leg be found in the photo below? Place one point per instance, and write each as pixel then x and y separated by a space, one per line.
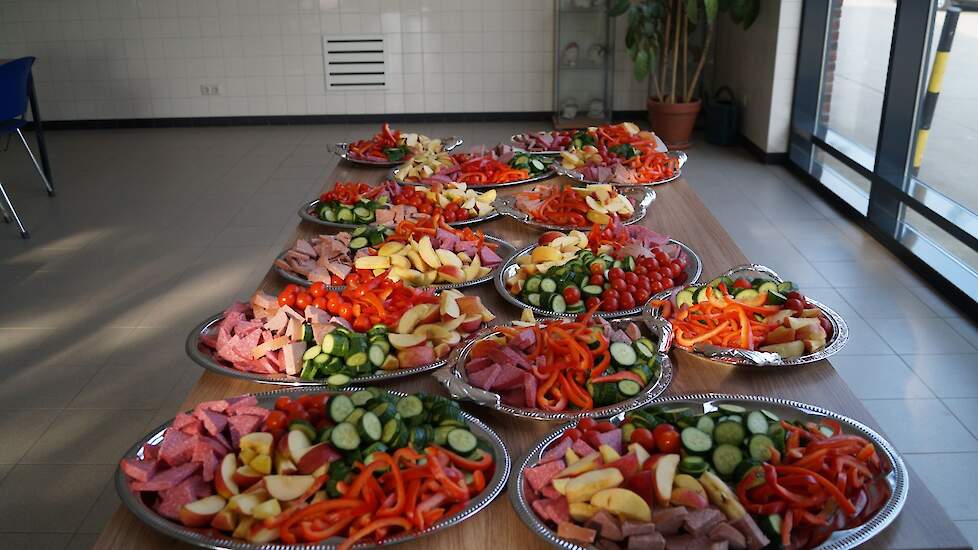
pixel 47 184
pixel 10 206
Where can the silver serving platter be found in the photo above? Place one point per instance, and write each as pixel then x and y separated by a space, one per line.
pixel 308 212
pixel 202 539
pixel 898 478
pixel 505 251
pixel 342 150
pixel 204 357
pixel 453 377
pixel 751 358
pixel 641 198
pixel 660 146
pixel 694 268
pixel 577 176
pixel 478 187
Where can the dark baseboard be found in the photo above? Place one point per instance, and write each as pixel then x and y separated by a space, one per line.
pixel 762 155
pixel 964 302
pixel 279 120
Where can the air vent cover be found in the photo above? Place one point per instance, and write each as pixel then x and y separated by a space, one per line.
pixel 355 62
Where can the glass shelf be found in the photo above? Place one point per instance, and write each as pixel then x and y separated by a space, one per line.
pixel 585 81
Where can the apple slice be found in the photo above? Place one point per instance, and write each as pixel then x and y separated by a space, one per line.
pixel 412 317
pixel 225 520
pixel 298 444
pixel 640 453
pixel 287 488
pixel 449 305
pixel 261 464
pixel 284 465
pixel 404 341
pixel 246 476
pixel 665 473
pixel 260 442
pixel 224 480
pixel 245 503
pixel 427 252
pixel 200 512
pixel 447 257
pixel 432 332
pixel 267 509
pixel 259 534
pixel 471 324
pixel 316 457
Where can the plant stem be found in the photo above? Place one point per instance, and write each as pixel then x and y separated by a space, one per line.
pixel 685 50
pixel 675 51
pixel 699 66
pixel 655 80
pixel 664 54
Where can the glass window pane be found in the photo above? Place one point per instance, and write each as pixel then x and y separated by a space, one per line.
pixel 845 182
pixel 947 255
pixel 854 72
pixel 948 154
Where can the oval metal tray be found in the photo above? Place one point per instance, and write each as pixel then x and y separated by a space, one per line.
pixel 453 377
pixel 694 268
pixel 539 177
pixel 641 198
pixel 342 150
pixel 201 538
pixel 204 357
pixel 749 358
pixel 308 213
pixel 577 176
pixel 660 146
pixel 897 479
pixel 505 251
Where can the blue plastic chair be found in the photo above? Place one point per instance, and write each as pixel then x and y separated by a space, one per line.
pixel 14 82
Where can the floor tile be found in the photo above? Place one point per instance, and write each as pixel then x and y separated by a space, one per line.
pixel 935 301
pixel 870 303
pixel 830 297
pixel 921 426
pixel 43 386
pixel 35 541
pixel 82 542
pixel 970 531
pixel 947 375
pixel 858 274
pixel 952 480
pixel 20 429
pixel 25 508
pixel 880 377
pixel 966 410
pixel 106 505
pixel 917 335
pixel 863 340
pixel 966 329
pixel 89 437
pixel 132 386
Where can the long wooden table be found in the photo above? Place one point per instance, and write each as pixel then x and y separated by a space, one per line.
pixel 679 213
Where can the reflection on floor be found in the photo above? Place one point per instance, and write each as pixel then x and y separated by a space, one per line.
pixel 154 229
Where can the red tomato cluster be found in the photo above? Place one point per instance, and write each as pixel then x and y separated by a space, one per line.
pixel 300 298
pixel 309 407
pixel 410 196
pixel 663 439
pixel 629 289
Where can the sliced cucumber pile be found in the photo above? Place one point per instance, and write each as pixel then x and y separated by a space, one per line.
pixel 638 358
pixel 344 355
pixel 776 292
pixel 364 211
pixel 532 163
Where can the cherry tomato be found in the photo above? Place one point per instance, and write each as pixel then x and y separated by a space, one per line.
pixel 604 426
pixel 298 414
pixel 677 269
pixel 596 268
pixel 661 257
pixel 644 283
pixel 276 420
pixel 680 279
pixel 651 264
pixel 610 304
pixel 596 279
pixel 592 302
pixel 619 284
pixel 742 283
pixel 656 287
pixel 631 278
pixel 346 311
pixel 627 301
pixel 644 437
pixel 317 289
pixel 449 217
pixel 361 324
pixel 304 401
pixel 321 303
pixel 302 300
pixel 610 293
pixel 668 283
pixel 642 295
pixel 291 288
pixel 335 280
pixel 318 401
pixel 795 295
pixel 572 295
pixel 586 424
pixel 616 273
pixel 286 299
pixel 795 305
pixel 666 438
pixel 353 279
pixel 282 403
pixel 573 434
pixel 640 270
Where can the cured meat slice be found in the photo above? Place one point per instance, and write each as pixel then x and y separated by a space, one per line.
pixel 242 425
pixel 540 475
pixel 214 422
pixel 139 470
pixel 177 447
pixel 167 479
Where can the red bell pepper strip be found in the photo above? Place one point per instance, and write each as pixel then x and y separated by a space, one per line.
pixel 374 526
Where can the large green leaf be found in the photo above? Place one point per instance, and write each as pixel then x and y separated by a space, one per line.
pixel 630 38
pixel 618 7
pixel 641 65
pixel 751 10
pixel 711 11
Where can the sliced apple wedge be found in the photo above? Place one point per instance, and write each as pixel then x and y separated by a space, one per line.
pixel 200 512
pixel 447 257
pixel 298 443
pixel 245 503
pixel 287 488
pixel 413 317
pixel 404 341
pixel 225 520
pixel 246 476
pixel 224 480
pixel 260 442
pixel 267 509
pixel 665 474
pixel 432 332
pixel 428 253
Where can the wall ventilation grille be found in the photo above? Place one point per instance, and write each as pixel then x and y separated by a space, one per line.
pixel 355 62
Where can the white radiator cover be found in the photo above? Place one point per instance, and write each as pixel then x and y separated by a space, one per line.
pixel 354 62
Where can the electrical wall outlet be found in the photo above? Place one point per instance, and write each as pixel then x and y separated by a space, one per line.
pixel 211 89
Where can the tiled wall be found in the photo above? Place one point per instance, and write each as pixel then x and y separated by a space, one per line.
pixel 148 58
pixel 759 66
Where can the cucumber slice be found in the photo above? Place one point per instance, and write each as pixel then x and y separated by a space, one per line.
pixel 356 359
pixel 701 294
pixel 534 299
pixel 705 424
pixel 304 427
pixel 684 297
pixel 345 437
pixel 628 264
pixel 345 215
pixel 355 416
pixel 730 433
pixel 321 359
pixel 726 458
pixel 369 427
pixel 311 353
pixel 786 287
pixel 770 415
pixel 390 431
pixel 692 465
pixel 376 238
pixel 340 407
pixel 643 371
pixel 409 407
pixel 731 409
pixel 746 294
pixel 605 393
pixel 775 298
pixel 768 286
pixel 363 214
pixel 592 290
pixel 377 355
pixel 359 231
pixel 646 348
pixel 757 423
pixel 360 398
pixel 548 285
pixel 533 284
pixel 309 370
pixel 623 354
pixel 629 388
pixel 760 447
pixel 338 380
pixel 462 441
pixel 695 440
pixel 750 467
pixel 357 243
pixel 557 303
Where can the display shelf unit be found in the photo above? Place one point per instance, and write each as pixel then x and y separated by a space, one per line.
pixel 583 63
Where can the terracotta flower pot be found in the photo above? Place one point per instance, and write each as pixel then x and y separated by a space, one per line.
pixel 673 122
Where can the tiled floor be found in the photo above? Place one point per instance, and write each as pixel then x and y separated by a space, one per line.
pixel 154 229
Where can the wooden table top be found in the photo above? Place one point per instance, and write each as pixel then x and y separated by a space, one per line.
pixel 679 213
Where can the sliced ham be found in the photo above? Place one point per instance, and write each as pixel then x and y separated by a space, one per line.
pixel 540 475
pixel 557 451
pixel 139 470
pixel 167 479
pixel 177 447
pixel 240 403
pixel 242 425
pixel 214 422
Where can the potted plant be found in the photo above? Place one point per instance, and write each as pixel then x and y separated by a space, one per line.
pixel 657 41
